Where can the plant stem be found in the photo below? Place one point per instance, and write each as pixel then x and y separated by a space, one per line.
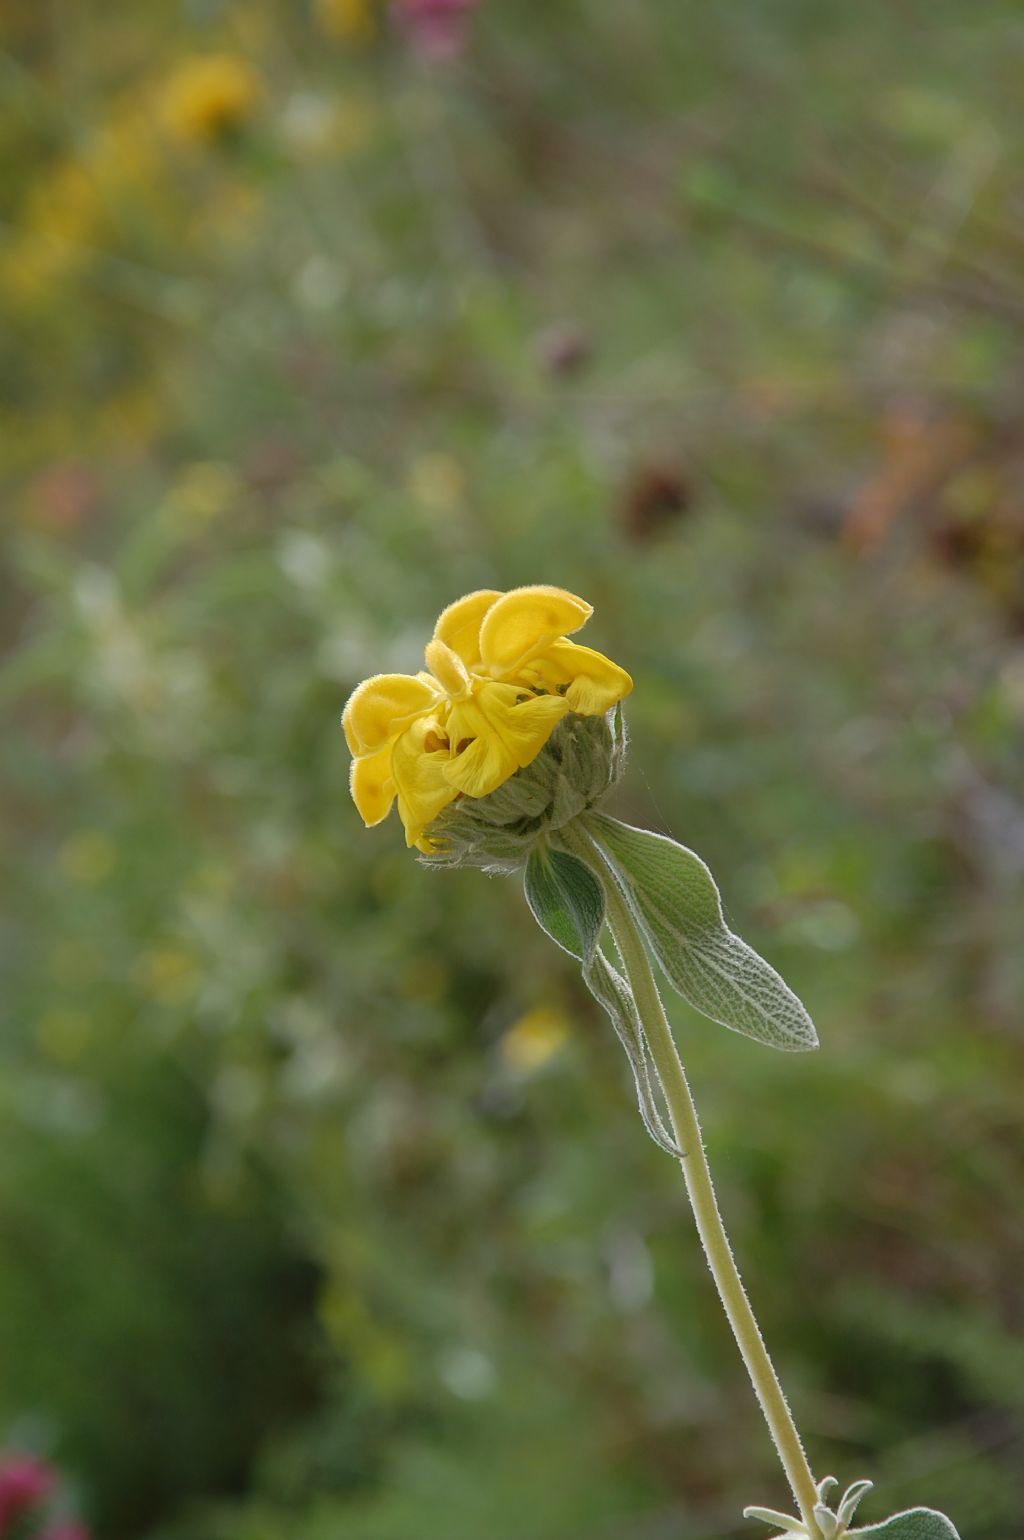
pixel 705 1207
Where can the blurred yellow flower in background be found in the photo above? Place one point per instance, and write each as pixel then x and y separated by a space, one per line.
pixel 438 482
pixel 204 490
pixel 64 1034
pixel 59 221
pixel 206 97
pixel 66 204
pixel 79 203
pixel 169 974
pixel 89 857
pixel 535 1038
pixel 350 20
pixel 501 676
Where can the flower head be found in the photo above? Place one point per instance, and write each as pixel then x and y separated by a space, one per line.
pixel 500 676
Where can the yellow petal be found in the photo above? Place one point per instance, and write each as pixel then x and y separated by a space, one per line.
pixel 459 625
pixel 419 773
pixel 372 786
pixel 506 732
pixel 381 707
pixel 482 767
pixel 525 622
pixel 447 668
pixel 594 682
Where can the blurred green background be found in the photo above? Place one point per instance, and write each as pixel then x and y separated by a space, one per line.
pixel 324 1205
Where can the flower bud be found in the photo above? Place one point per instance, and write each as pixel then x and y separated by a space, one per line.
pixel 580 762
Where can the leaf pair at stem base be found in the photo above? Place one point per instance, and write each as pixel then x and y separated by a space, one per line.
pixel 672 897
pixel 912 1524
pixel 834 1524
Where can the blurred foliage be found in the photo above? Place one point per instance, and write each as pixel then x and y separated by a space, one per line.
pixel 324 1204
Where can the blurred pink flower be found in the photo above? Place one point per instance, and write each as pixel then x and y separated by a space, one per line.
pixel 66 1529
pixel 24 1482
pixel 63 495
pixel 437 28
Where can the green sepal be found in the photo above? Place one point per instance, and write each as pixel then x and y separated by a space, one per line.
pixel 913 1524
pixel 673 897
pixel 568 902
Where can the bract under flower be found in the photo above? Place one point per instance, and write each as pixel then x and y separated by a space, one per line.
pixel 500 676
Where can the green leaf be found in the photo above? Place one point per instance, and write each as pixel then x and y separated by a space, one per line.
pixel 777 1520
pixel 673 897
pixel 914 1524
pixel 567 902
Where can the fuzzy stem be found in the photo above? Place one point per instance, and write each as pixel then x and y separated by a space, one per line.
pixel 705 1207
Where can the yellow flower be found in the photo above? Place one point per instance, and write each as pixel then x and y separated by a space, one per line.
pixel 89 857
pixel 203 491
pixel 532 1040
pixel 500 676
pixel 207 97
pixel 345 18
pixel 169 974
pixel 64 1035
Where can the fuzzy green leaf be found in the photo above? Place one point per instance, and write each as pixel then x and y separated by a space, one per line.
pixel 914 1524
pixel 673 897
pixel 567 902
pixel 777 1520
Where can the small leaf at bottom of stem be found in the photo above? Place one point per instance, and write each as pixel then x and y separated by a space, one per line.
pixel 914 1524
